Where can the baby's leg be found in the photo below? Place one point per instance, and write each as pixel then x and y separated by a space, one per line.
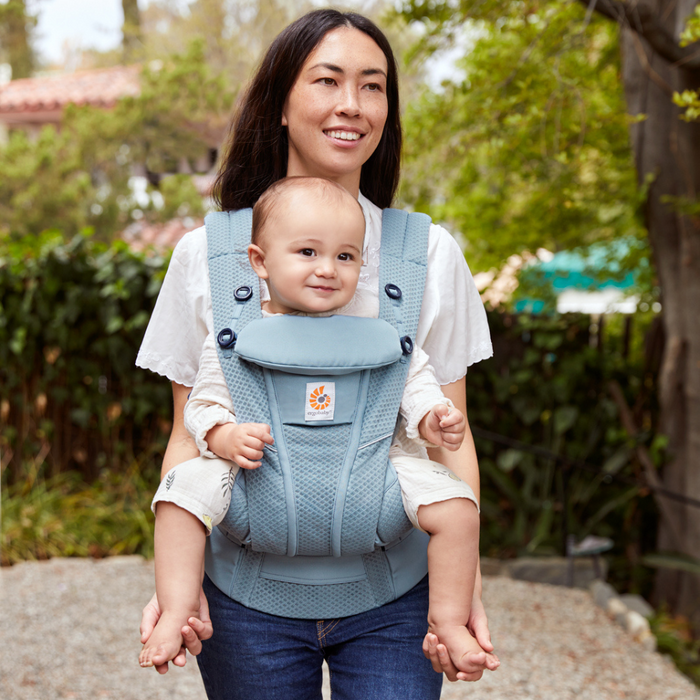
pixel 179 560
pixel 439 503
pixel 192 498
pixel 453 555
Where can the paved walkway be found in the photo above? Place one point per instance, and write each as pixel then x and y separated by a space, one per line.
pixel 69 630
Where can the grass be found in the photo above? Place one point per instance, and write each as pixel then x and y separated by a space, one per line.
pixel 674 637
pixel 65 517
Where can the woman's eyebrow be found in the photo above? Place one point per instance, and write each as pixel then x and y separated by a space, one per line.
pixel 338 69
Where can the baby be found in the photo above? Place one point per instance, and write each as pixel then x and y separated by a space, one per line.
pixel 307 243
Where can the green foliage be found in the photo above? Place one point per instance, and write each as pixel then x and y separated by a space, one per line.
pixel 63 517
pixel 530 148
pixel 80 176
pixel 673 637
pixel 547 388
pixel 689 100
pixel 691 33
pixel 72 316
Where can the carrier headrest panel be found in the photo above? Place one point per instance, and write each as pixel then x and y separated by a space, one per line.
pixel 313 345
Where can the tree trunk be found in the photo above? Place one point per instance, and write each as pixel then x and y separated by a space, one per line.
pixel 131 30
pixel 667 155
pixel 14 35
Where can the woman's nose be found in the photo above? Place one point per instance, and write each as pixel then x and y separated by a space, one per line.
pixel 349 105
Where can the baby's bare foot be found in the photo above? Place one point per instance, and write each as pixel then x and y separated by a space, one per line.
pixel 164 643
pixel 465 652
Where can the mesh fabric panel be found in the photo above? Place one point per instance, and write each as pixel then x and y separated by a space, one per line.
pixel 313 602
pixel 316 464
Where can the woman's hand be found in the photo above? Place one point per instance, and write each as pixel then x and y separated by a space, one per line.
pixel 479 628
pixel 193 634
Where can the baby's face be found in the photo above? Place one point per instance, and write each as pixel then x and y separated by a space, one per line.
pixel 313 253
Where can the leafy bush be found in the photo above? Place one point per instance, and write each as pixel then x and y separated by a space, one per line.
pixel 547 387
pixel 72 317
pixel 63 516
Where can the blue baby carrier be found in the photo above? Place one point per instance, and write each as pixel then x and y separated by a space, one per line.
pixel 319 530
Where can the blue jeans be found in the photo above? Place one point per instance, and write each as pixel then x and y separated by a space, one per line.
pixel 371 656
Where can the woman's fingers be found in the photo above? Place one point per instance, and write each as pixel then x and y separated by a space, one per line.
pixel 439 657
pixel 478 625
pixel 149 618
pixel 430 642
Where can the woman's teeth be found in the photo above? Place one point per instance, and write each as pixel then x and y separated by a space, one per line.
pixel 344 135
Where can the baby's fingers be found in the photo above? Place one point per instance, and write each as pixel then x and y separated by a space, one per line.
pixel 454 419
pixel 261 432
pixel 246 463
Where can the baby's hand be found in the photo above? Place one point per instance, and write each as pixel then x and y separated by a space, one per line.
pixel 444 427
pixel 242 444
pixel 246 444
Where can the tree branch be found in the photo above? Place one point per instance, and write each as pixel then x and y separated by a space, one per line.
pixel 641 18
pixel 667 510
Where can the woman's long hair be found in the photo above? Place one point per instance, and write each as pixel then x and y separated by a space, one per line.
pixel 258 149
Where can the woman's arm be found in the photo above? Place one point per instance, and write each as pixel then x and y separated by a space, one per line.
pixel 181 446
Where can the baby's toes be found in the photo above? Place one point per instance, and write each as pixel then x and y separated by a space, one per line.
pixel 472 662
pixel 145 659
pixel 492 662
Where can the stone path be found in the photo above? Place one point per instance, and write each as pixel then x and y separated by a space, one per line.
pixel 69 630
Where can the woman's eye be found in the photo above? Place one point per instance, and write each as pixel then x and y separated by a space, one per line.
pixel 327 81
pixel 308 252
pixel 374 87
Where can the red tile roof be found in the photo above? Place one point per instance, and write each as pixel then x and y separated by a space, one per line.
pixel 101 88
pixel 161 237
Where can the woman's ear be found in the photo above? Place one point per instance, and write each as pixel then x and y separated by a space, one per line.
pixel 256 256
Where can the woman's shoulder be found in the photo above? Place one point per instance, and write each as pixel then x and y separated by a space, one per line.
pixel 192 246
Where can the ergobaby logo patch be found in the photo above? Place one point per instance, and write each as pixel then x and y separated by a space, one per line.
pixel 320 401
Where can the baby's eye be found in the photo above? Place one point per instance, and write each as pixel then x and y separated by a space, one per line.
pixel 307 252
pixel 346 257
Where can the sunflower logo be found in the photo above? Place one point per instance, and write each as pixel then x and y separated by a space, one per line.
pixel 318 399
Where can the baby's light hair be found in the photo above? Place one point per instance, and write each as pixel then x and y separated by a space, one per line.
pixel 327 191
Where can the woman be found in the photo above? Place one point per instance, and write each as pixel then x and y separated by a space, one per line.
pixel 324 102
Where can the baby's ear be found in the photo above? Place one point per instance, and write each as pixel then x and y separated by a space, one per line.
pixel 256 255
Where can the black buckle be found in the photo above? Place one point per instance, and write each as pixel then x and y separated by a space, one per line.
pixel 226 338
pixel 243 293
pixel 406 345
pixel 392 291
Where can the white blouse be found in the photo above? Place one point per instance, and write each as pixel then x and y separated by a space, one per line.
pixel 452 330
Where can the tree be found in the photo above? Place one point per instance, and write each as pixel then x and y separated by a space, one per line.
pixel 79 175
pixel 531 150
pixel 131 30
pixel 15 38
pixel 667 155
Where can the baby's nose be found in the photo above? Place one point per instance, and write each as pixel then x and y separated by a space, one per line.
pixel 325 268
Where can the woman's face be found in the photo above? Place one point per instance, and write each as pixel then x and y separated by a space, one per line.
pixel 337 107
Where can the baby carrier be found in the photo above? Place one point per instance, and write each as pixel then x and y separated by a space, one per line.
pixel 319 530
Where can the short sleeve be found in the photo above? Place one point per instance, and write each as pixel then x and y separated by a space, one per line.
pixel 182 316
pixel 453 328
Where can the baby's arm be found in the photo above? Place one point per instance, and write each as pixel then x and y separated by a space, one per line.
pixel 210 417
pixel 428 413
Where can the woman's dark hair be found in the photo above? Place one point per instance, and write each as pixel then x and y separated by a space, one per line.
pixel 258 149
